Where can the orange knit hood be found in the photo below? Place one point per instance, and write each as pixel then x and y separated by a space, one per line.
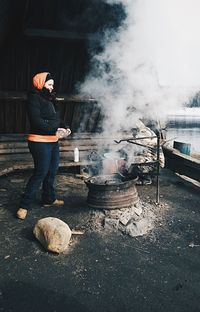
pixel 39 80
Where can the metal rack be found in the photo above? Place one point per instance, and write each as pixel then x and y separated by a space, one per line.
pixel 152 163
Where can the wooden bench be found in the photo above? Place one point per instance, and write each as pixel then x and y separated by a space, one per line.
pixel 181 163
pixel 15 155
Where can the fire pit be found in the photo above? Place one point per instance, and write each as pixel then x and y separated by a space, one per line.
pixel 111 191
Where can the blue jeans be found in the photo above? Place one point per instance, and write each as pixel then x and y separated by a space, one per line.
pixel 46 163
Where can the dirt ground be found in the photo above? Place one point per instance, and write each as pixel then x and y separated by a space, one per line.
pixel 102 271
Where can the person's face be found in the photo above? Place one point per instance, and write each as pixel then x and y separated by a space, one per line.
pixel 49 84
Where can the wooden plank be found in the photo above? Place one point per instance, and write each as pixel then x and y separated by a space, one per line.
pixel 15 157
pixel 69 154
pixel 13 137
pixel 16 95
pixel 60 34
pixel 182 164
pixel 7 151
pixel 7 145
pixel 8 167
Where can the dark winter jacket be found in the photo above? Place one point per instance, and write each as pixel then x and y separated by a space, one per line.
pixel 43 113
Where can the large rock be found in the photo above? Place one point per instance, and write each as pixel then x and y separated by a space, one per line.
pixel 53 234
pixel 139 228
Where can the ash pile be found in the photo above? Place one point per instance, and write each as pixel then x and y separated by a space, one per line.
pixel 137 220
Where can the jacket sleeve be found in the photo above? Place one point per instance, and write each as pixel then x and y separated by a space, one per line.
pixel 36 121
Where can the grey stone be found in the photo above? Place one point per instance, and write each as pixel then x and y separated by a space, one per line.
pixel 139 228
pixel 138 210
pixel 111 223
pixel 125 217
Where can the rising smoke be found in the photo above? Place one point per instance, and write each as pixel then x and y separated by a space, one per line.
pixel 150 66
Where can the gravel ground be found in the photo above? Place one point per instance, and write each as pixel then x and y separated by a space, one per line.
pixel 104 270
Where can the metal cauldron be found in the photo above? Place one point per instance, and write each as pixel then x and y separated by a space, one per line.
pixel 111 191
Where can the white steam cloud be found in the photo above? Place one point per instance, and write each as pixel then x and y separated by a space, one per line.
pixel 151 66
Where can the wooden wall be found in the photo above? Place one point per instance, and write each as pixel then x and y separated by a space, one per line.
pixel 81 116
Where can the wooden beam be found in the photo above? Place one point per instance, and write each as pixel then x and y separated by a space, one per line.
pixel 14 95
pixel 60 34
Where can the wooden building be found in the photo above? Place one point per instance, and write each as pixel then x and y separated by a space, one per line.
pixel 56 36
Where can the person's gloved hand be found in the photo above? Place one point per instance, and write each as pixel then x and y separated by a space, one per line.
pixel 63 133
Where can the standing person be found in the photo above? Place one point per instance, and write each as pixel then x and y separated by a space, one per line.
pixel 45 131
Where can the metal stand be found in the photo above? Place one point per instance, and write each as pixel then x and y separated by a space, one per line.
pixel 152 163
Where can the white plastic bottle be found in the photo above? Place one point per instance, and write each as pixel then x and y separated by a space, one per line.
pixel 76 154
